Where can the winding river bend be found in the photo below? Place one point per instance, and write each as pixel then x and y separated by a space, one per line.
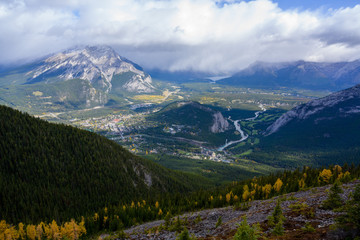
pixel 238 128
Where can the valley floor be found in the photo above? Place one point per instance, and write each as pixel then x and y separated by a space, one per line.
pixel 257 213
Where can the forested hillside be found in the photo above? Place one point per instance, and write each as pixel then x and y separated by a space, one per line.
pixel 50 171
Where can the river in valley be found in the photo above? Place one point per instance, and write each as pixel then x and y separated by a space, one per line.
pixel 243 135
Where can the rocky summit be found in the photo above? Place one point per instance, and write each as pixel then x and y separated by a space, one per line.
pixel 96 64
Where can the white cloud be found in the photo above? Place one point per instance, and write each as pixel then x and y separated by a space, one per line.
pixel 180 34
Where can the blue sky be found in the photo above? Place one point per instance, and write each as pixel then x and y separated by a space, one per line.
pixel 306 4
pixel 315 4
pixel 193 35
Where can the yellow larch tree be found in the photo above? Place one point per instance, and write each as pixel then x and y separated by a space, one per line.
pixel 246 193
pixel 337 169
pixel 96 217
pixel 252 193
pixel 64 232
pixel 39 230
pixel 11 233
pixel 31 232
pixel 82 227
pixel 302 183
pixel 278 184
pixel 55 230
pixel 325 176
pixel 105 220
pixel 347 175
pixel 3 227
pixel 47 231
pixel 21 231
pixel 73 231
pixel 228 197
pixel 266 190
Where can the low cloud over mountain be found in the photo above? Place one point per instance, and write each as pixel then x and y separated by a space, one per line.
pixel 200 35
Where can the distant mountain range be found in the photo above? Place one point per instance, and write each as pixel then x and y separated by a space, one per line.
pixel 299 74
pixel 76 78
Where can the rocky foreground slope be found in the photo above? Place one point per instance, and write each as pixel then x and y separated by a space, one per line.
pixel 202 224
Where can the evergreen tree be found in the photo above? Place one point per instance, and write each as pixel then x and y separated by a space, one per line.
pixel 334 200
pixel 277 219
pixel 184 235
pixel 247 232
pixel 351 219
pixel 167 220
pixel 278 229
pixel 277 215
pixel 354 210
pixel 219 222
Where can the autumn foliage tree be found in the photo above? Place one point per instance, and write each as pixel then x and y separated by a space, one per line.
pixel 278 184
pixel 325 176
pixel 52 231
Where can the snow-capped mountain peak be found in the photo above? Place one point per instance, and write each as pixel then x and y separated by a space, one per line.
pixel 97 64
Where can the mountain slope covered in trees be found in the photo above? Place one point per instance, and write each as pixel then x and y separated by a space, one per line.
pixel 327 128
pixel 51 171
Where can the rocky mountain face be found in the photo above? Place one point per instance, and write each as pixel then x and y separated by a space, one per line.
pixel 96 64
pixel 201 124
pixel 202 113
pixel 79 78
pixel 343 104
pixel 299 74
pixel 220 124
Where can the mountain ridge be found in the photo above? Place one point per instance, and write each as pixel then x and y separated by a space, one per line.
pixel 97 64
pixel 331 76
pixel 306 110
pixel 77 78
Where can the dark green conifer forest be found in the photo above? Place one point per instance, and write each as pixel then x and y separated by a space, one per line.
pixel 53 171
